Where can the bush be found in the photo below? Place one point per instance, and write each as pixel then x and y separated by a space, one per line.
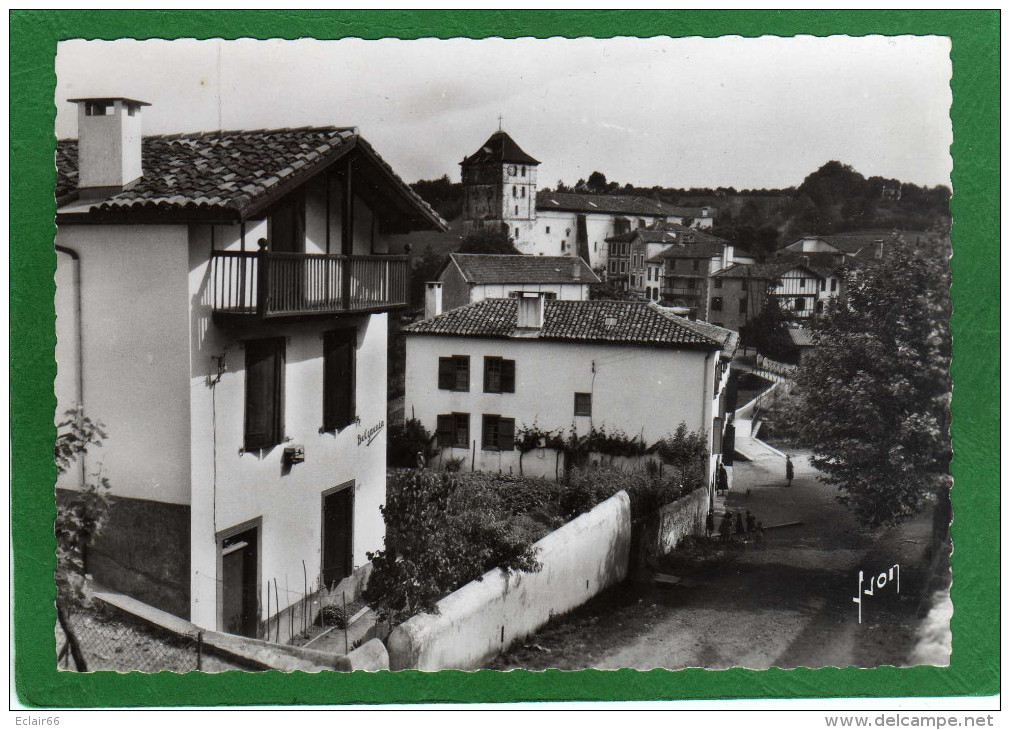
pixel 406 441
pixel 440 536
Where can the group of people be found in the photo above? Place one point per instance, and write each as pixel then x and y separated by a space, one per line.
pixel 742 524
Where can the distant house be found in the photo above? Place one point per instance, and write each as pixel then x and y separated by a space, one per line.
pixel 569 222
pixel 221 307
pixel 800 337
pixel 469 278
pixel 650 255
pixel 480 374
pixel 500 194
pixel 834 249
pixel 801 290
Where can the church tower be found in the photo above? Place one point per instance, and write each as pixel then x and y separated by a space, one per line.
pixel 500 190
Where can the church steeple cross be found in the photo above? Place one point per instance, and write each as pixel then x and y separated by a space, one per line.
pixel 499 122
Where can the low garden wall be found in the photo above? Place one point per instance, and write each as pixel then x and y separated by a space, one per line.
pixel 664 529
pixel 484 617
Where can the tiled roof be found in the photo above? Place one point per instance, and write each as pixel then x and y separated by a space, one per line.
pixel 800 336
pixel 500 148
pixel 613 204
pixel 595 321
pixel 516 269
pixel 766 271
pixel 230 172
pixel 727 337
pixel 684 242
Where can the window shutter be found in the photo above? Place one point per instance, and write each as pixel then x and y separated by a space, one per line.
pixel 264 424
pixel 506 434
pixel 508 376
pixel 446 374
pixel 338 378
pixel 444 430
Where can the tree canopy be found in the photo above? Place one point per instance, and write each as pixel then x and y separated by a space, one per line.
pixel 875 391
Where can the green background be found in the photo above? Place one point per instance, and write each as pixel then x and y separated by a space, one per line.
pixel 974 668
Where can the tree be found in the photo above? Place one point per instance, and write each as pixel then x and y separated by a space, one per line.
pixel 875 390
pixel 488 241
pixel 768 332
pixel 80 518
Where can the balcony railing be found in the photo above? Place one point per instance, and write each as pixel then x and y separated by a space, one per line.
pixel 275 284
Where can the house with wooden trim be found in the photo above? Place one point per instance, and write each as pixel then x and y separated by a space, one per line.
pixel 222 304
pixel 480 374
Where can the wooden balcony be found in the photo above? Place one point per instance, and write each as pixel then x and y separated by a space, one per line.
pixel 274 285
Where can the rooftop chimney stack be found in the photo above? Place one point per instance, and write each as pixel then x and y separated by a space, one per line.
pixel 432 299
pixel 108 146
pixel 531 311
pixel 576 270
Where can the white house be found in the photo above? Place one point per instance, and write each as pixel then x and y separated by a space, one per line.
pixel 500 193
pixel 468 278
pixel 221 308
pixel 480 374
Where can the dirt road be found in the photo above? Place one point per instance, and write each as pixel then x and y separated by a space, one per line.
pixel 785 603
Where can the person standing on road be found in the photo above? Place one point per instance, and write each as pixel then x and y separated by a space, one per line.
pixel 750 522
pixel 789 471
pixel 739 523
pixel 709 524
pixel 722 481
pixel 726 525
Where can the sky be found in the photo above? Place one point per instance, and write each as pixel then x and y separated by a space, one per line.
pixel 692 112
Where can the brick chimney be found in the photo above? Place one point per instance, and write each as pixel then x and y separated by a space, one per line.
pixel 432 299
pixel 577 270
pixel 108 146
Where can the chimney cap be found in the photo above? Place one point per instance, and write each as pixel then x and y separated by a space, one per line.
pixel 109 100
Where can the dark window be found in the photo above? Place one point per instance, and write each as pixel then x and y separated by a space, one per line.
pixel 454 373
pixel 824 284
pixel 499 434
pixel 517 213
pixel 338 378
pixel 287 226
pixel 718 283
pixel 716 304
pixel 453 430
pixel 499 374
pixel 694 264
pixel 548 229
pixel 834 285
pixel 583 404
pixel 623 266
pixel 743 306
pixel 524 170
pixel 264 393
pixel 523 193
pixel 800 304
pixel 515 192
pixel 517 228
pixel 803 282
pixel 613 267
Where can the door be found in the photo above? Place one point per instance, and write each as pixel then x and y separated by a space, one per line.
pixel 240 587
pixel 338 523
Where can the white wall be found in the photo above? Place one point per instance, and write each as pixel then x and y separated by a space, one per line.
pixel 640 390
pixel 484 617
pixel 134 304
pixel 256 485
pixel 599 227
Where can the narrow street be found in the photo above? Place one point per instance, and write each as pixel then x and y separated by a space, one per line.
pixel 786 602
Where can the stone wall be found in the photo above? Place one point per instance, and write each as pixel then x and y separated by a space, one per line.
pixel 664 529
pixel 143 552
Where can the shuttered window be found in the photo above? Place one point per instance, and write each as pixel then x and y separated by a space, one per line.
pixel 264 393
pixel 339 348
pixel 583 404
pixel 454 373
pixel 453 429
pixel 498 433
pixel 499 375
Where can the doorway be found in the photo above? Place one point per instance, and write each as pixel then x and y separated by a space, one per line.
pixel 239 570
pixel 338 534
